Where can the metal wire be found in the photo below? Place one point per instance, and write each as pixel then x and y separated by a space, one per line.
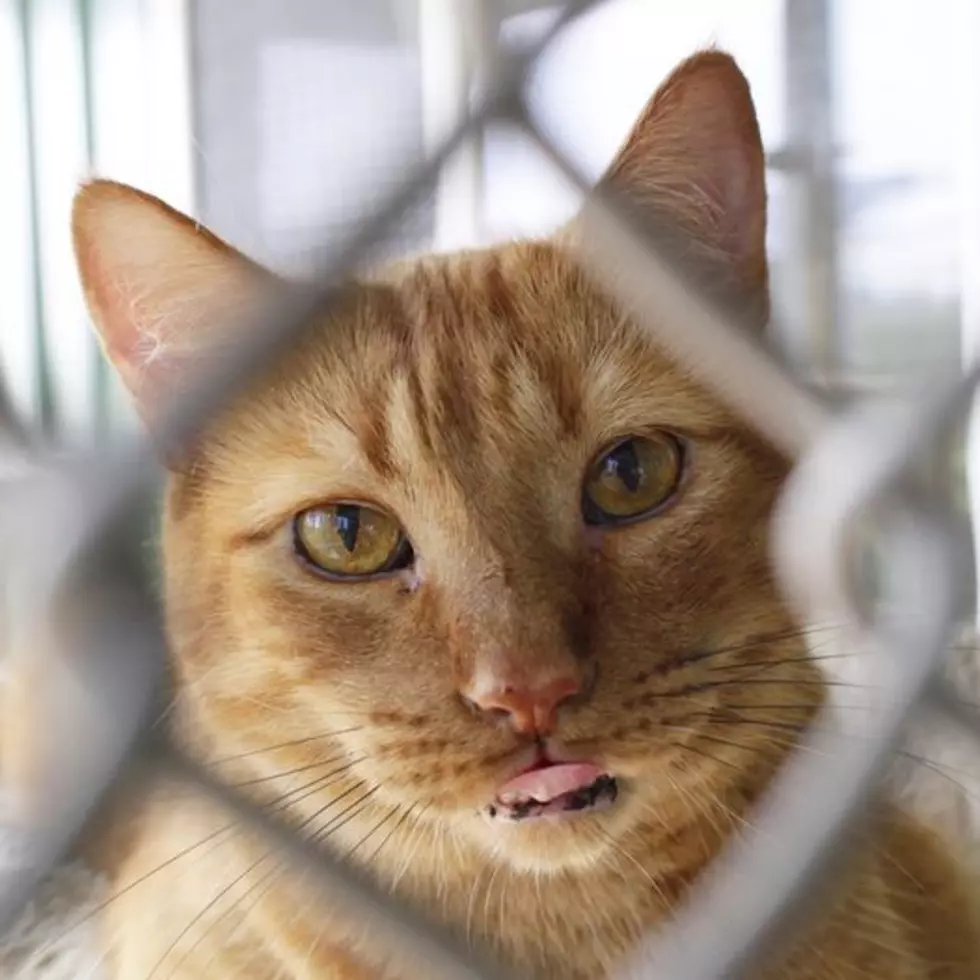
pixel 411 937
pixel 100 642
pixel 771 877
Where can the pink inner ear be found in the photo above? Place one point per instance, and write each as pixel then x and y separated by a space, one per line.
pixel 115 318
pixel 109 308
pixel 150 380
pixel 741 199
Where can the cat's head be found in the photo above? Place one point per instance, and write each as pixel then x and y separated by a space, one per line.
pixel 477 524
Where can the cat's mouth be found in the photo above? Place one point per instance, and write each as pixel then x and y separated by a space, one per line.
pixel 554 789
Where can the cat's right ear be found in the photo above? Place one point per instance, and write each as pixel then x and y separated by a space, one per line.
pixel 160 289
pixel 693 169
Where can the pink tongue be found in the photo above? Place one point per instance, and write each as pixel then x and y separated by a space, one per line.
pixel 545 784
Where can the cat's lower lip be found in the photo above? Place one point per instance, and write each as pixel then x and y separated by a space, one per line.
pixel 554 790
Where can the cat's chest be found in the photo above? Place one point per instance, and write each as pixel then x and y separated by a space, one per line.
pixel 535 928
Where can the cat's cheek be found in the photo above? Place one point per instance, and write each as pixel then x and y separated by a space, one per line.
pixel 595 538
pixel 628 564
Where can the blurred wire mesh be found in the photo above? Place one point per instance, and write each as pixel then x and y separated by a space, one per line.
pixel 75 606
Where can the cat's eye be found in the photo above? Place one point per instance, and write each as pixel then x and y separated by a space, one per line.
pixel 633 479
pixel 351 541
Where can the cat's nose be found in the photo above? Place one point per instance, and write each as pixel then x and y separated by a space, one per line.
pixel 531 709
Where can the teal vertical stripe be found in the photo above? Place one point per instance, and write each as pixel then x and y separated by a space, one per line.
pixel 101 418
pixel 44 405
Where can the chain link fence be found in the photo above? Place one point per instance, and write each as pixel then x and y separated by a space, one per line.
pixel 86 651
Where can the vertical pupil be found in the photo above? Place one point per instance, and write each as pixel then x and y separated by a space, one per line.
pixel 347 521
pixel 626 465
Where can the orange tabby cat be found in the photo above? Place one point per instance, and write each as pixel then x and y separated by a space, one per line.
pixel 473 588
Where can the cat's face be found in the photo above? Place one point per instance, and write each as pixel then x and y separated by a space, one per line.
pixel 477 524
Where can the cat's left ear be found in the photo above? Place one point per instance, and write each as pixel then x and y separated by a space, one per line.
pixel 694 163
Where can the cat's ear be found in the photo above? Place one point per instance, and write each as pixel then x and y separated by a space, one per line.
pixel 161 289
pixel 694 162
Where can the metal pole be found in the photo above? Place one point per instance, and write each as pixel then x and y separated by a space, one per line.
pixel 811 151
pixel 969 187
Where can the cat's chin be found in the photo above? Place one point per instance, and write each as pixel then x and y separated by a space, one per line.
pixel 555 842
pixel 547 845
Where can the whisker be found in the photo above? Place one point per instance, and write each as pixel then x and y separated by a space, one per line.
pixel 496 865
pixel 698 810
pixel 103 905
pixel 724 715
pixel 501 900
pixel 200 915
pixel 409 854
pixel 487 865
pixel 806 658
pixel 787 743
pixel 316 939
pixel 654 884
pixel 224 891
pixel 274 873
pixel 733 815
pixel 287 772
pixel 284 745
pixel 395 829
pixel 942 769
pixel 309 789
pixel 374 829
pixel 278 804
pixel 699 733
pixel 714 802
pixel 781 706
pixel 742 745
pixel 324 832
pixel 683 660
pixel 742 682
pixel 706 755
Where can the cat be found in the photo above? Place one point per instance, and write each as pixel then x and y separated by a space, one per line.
pixel 472 587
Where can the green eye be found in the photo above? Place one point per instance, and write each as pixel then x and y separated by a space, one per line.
pixel 351 540
pixel 633 479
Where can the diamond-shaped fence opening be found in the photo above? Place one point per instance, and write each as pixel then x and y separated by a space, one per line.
pixel 83 633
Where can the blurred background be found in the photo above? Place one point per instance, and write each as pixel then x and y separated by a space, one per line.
pixel 277 121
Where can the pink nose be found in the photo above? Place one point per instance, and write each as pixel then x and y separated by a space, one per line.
pixel 530 710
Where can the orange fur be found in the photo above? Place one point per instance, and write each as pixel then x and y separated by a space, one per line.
pixel 466 395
